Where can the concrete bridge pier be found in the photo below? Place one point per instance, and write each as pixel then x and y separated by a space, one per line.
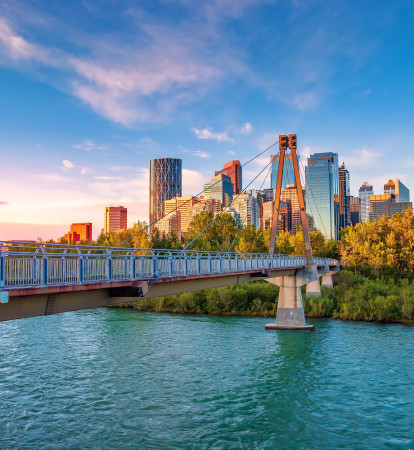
pixel 290 314
pixel 313 289
pixel 329 278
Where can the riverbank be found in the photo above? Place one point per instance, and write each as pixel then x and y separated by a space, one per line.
pixel 353 297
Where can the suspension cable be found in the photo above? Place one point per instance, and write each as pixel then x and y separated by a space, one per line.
pixel 210 223
pixel 187 201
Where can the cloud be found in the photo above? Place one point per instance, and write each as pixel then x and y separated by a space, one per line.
pixel 208 134
pixel 197 153
pixel 89 145
pixel 3 203
pixel 246 128
pixel 231 152
pixel 362 158
pixel 68 164
pixel 54 177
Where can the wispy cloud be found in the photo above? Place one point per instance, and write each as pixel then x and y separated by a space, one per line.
pixel 231 152
pixel 89 145
pixel 54 177
pixel 68 164
pixel 197 153
pixel 209 134
pixel 3 202
pixel 246 129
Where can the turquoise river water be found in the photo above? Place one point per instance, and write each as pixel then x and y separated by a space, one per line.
pixel 111 378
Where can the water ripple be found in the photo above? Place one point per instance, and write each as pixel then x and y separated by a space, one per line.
pixel 124 379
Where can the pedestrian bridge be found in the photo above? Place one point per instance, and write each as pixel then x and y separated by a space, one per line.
pixel 41 279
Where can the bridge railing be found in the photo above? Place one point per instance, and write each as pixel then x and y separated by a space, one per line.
pixel 31 264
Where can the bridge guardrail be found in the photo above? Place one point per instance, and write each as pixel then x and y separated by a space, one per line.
pixel 25 264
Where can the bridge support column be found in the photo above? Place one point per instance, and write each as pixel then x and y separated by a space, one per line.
pixel 328 279
pixel 290 314
pixel 313 289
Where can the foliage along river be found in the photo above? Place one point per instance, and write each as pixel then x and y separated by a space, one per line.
pixel 118 378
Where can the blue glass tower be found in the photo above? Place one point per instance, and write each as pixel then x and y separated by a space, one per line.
pixel 322 193
pixel 288 176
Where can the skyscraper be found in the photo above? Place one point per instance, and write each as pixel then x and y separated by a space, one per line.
pixel 233 169
pixel 401 192
pixel 365 192
pixel 322 185
pixel 248 208
pixel 115 219
pixel 221 188
pixel 165 183
pixel 354 208
pixel 290 195
pixel 344 198
pixel 288 176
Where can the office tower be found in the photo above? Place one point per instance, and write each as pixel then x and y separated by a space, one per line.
pixel 235 214
pixel 115 219
pixel 288 176
pixel 344 198
pixel 233 169
pixel 379 205
pixel 248 208
pixel 269 195
pixel 172 222
pixel 284 222
pixel 184 205
pixel 79 232
pixel 290 194
pixel 354 208
pixel 365 192
pixel 401 192
pixel 261 198
pixel 165 183
pixel 322 185
pixel 220 188
pixel 396 208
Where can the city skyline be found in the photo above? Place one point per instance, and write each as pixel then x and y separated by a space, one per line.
pixel 82 111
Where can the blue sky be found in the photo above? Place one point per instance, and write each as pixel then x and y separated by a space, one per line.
pixel 90 91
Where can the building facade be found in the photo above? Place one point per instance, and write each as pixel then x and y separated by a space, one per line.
pixel 248 208
pixel 79 232
pixel 288 176
pixel 233 169
pixel 165 183
pixel 116 219
pixel 322 187
pixel 398 189
pixel 170 223
pixel 185 206
pixel 344 198
pixel 206 205
pixel 220 188
pixel 354 208
pixel 290 195
pixel 365 192
pixel 284 222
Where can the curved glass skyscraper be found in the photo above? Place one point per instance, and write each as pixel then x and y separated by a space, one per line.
pixel 165 183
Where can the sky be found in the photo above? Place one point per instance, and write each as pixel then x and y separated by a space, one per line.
pixel 91 90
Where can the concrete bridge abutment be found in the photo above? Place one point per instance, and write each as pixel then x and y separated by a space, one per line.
pixel 290 314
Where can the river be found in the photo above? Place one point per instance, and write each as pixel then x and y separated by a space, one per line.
pixel 118 378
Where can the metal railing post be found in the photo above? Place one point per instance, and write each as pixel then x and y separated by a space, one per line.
pixel 199 264
pixel 170 264
pixel 133 267
pixel 44 270
pixel 109 268
pixel 80 270
pixel 2 270
pixel 154 265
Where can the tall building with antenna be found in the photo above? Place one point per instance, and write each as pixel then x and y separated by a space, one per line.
pixel 165 183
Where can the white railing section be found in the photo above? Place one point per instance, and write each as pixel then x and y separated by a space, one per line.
pixel 31 264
